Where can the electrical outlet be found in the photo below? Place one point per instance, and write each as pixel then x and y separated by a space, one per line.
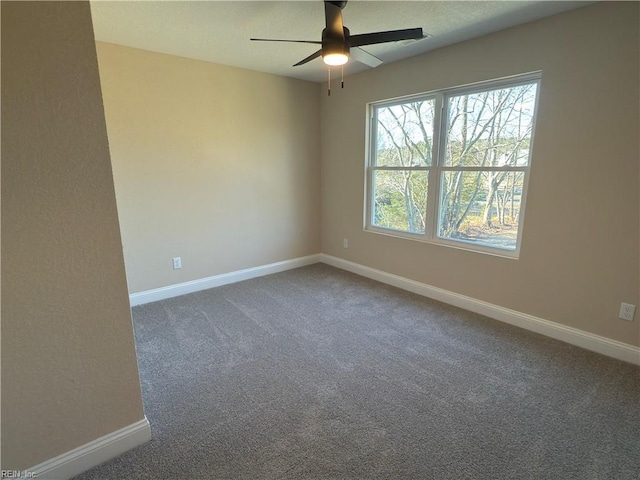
pixel 627 311
pixel 345 243
pixel 177 263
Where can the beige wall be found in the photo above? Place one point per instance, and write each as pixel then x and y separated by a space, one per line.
pixel 579 255
pixel 215 164
pixel 69 372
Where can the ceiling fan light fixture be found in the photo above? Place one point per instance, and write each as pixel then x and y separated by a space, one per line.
pixel 335 59
pixel 337 42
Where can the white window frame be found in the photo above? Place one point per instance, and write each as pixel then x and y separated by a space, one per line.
pixel 437 168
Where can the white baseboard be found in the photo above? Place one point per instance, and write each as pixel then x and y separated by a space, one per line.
pixel 91 454
pixel 573 336
pixel 219 280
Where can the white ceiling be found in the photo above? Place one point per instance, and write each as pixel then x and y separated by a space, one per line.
pixel 219 31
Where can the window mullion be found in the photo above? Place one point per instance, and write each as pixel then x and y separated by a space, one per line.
pixel 433 199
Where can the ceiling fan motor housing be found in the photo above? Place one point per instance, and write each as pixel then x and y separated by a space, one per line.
pixel 332 44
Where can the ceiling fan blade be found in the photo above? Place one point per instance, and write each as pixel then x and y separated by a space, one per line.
pixel 364 57
pixel 384 37
pixel 280 40
pixel 333 17
pixel 309 58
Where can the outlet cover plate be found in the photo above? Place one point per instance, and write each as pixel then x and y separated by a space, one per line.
pixel 627 311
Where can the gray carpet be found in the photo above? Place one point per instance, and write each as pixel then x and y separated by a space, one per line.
pixel 316 373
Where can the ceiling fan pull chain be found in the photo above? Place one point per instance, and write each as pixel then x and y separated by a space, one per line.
pixel 329 83
pixel 342 76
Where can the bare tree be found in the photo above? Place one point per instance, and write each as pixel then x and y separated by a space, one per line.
pixel 486 145
pixel 404 131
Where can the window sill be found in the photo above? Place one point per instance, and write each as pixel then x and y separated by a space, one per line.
pixel 455 244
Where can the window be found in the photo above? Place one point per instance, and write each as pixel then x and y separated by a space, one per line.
pixel 451 166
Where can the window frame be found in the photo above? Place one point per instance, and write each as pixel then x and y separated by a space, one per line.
pixel 437 168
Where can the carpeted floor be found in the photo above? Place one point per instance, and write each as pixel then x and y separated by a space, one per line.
pixel 316 373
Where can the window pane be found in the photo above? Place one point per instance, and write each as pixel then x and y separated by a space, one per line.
pixel 491 128
pixel 481 207
pixel 400 199
pixel 405 134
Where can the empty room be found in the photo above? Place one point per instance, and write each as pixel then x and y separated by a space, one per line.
pixel 320 240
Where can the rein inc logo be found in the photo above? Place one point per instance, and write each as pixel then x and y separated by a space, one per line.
pixel 18 474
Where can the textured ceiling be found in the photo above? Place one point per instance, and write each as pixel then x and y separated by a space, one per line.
pixel 219 32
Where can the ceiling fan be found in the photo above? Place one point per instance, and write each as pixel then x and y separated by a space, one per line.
pixel 338 45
